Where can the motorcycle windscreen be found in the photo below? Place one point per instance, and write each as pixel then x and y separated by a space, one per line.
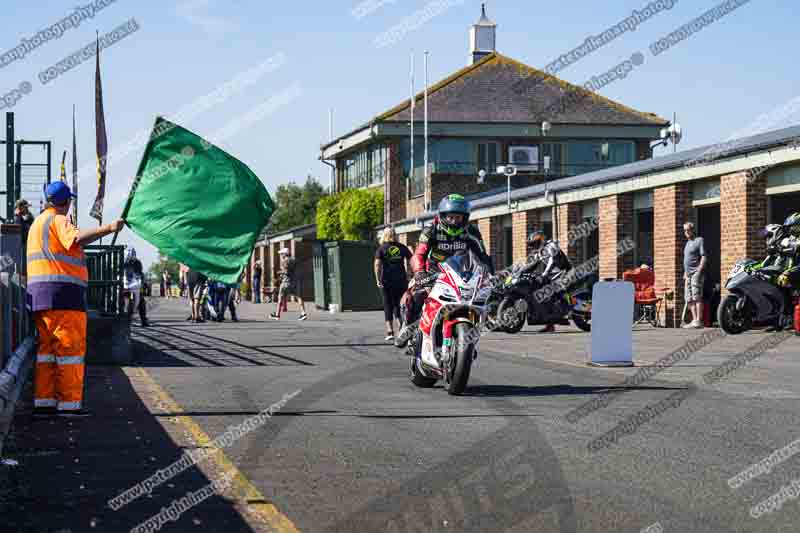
pixel 465 265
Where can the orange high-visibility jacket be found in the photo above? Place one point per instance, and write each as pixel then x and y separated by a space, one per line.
pixel 57 274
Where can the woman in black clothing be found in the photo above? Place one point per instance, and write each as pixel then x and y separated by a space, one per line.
pixel 390 275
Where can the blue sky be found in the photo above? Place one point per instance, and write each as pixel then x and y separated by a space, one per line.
pixel 719 80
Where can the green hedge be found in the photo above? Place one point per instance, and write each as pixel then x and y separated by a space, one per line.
pixel 349 215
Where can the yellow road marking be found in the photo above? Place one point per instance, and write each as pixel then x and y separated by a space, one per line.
pixel 255 500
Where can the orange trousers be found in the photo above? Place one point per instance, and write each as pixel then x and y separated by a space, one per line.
pixel 58 381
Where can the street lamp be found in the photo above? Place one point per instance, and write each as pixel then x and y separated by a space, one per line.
pixel 481 176
pixel 546 128
pixel 509 171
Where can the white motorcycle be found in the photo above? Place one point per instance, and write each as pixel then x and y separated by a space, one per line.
pixel 453 317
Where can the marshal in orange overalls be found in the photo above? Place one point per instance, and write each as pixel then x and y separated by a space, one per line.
pixel 57 283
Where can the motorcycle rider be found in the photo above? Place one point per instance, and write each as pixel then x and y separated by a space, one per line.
pixel 542 250
pixel 449 234
pixel 785 251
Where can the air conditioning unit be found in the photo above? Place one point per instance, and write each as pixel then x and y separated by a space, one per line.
pixel 525 158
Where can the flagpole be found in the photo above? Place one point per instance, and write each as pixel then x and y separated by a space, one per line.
pixel 411 166
pixel 425 174
pixel 74 170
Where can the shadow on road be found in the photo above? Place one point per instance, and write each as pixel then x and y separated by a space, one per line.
pixel 553 390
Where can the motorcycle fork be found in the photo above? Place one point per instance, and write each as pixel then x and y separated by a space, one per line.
pixel 447 347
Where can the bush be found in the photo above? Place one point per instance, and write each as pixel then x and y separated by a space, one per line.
pixel 349 215
pixel 328 227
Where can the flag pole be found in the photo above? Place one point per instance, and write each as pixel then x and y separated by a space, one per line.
pixel 425 173
pixel 74 170
pixel 411 165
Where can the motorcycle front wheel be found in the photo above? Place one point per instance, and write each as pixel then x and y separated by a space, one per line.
pixel 461 360
pixel 732 320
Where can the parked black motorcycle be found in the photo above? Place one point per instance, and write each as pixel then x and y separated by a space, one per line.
pixel 527 297
pixel 754 298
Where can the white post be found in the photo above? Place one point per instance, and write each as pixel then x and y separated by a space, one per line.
pixel 411 166
pixel 427 191
pixel 330 139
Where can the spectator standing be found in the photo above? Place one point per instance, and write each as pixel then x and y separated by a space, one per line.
pixel 391 260
pixel 194 285
pixel 167 283
pixel 24 218
pixel 694 263
pixel 57 285
pixel 257 282
pixel 289 285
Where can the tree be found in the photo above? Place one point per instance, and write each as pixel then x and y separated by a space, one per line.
pixel 164 263
pixel 350 215
pixel 295 205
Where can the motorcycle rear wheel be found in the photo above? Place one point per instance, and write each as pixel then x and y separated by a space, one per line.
pixel 732 321
pixel 461 360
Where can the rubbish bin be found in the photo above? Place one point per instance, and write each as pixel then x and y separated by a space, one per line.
pixel 351 279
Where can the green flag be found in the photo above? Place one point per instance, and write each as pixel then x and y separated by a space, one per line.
pixel 196 203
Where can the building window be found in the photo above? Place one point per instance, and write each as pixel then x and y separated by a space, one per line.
pixel 546 221
pixel 508 242
pixel 645 236
pixel 588 156
pixel 488 156
pixel 643 228
pixel 366 168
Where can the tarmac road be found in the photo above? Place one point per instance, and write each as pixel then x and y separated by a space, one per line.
pixel 353 446
pixel 359 448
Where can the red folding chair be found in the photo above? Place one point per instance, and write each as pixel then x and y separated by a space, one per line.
pixel 645 299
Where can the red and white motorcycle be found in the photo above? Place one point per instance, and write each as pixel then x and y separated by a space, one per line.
pixel 445 344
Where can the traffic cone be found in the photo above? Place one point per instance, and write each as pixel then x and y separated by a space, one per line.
pixel 797 318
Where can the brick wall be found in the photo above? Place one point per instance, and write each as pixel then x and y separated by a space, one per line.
pixel 616 224
pixel 568 216
pixel 743 211
pixel 671 209
pixel 523 224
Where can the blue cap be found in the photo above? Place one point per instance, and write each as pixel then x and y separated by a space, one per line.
pixel 58 192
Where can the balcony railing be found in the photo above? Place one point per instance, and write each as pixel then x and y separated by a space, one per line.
pixel 556 170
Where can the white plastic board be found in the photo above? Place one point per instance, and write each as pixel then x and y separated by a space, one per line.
pixel 612 322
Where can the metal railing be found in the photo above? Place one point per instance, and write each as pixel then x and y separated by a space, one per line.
pixel 104 263
pixel 15 321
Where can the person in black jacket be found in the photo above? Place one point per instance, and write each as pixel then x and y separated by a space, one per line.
pixel 390 263
pixel 133 281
